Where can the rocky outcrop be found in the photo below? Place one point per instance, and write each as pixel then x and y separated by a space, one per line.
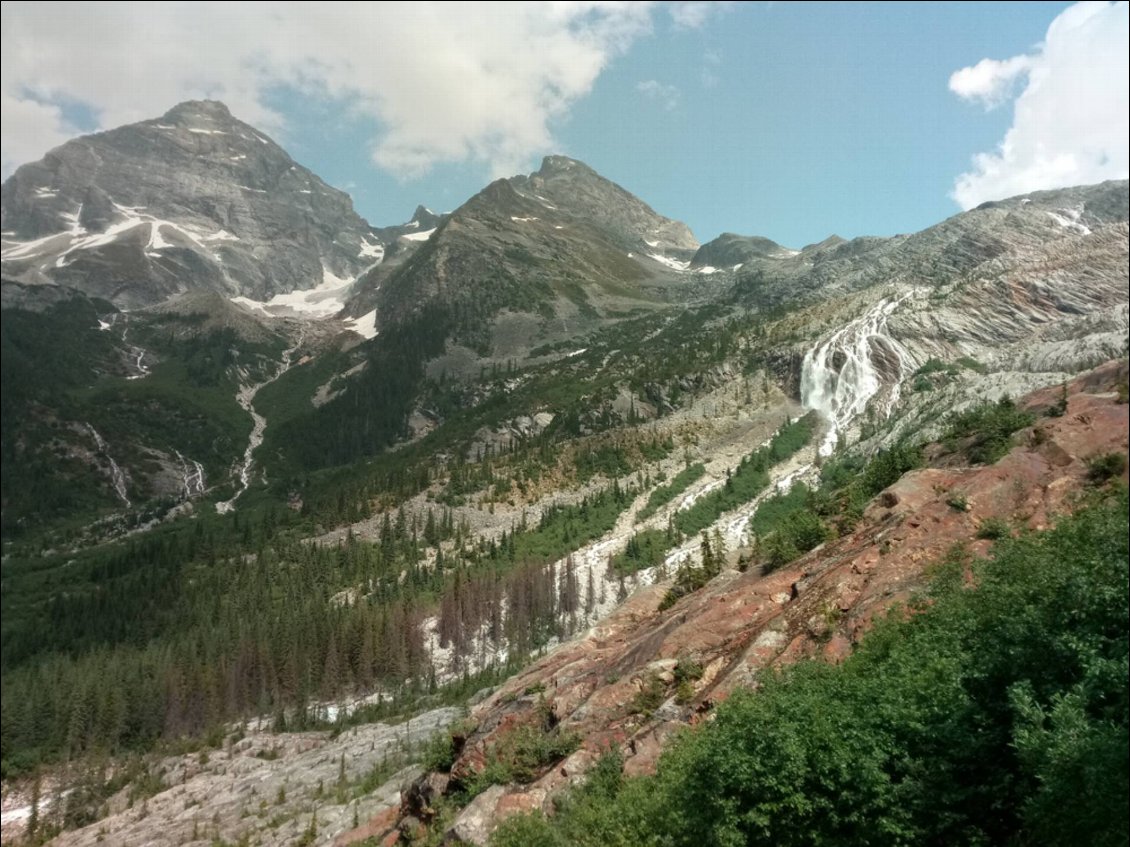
pixel 618 686
pixel 195 199
pixel 272 789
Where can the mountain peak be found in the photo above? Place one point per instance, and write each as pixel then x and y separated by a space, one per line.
pixel 558 164
pixel 212 110
pixel 134 213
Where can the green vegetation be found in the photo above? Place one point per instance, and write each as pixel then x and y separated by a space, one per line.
pixel 1105 467
pixel 523 752
pixel 991 715
pixel 645 550
pixel 62 376
pixel 935 373
pixel 119 648
pixel 749 479
pixel 663 494
pixel 985 432
pixel 797 532
pixel 993 529
pixel 607 460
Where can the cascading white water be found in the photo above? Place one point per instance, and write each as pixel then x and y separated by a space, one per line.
pixel 117 476
pixel 840 376
pixel 192 477
pixel 245 397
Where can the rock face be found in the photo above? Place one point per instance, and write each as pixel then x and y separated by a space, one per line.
pixel 819 606
pixel 195 199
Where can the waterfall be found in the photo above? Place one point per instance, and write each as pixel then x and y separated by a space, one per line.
pixel 192 477
pixel 117 476
pixel 855 365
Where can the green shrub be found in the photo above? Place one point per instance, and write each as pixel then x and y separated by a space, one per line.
pixel 687 670
pixel 987 429
pixel 440 753
pixel 958 502
pixel 1104 467
pixel 993 529
pixel 650 697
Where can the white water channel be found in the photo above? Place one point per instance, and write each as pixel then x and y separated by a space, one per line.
pixel 117 476
pixel 136 354
pixel 246 398
pixel 841 375
pixel 192 476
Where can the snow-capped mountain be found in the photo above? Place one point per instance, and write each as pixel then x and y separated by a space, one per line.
pixel 195 199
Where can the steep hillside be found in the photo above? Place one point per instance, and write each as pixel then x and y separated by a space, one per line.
pixel 630 683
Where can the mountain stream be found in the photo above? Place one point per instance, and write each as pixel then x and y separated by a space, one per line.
pixel 246 398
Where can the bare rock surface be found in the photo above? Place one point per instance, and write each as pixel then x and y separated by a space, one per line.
pixel 274 788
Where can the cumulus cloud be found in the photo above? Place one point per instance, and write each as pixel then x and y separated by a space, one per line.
pixel 666 96
pixel 1071 121
pixel 445 82
pixel 990 80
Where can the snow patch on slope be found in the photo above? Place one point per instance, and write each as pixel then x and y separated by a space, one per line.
pixel 674 264
pixel 365 326
pixel 323 301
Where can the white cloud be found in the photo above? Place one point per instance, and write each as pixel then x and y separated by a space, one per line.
pixel 41 127
pixel 446 82
pixel 1071 124
pixel 692 14
pixel 990 80
pixel 666 96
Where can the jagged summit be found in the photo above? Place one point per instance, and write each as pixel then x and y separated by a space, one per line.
pixel 563 183
pixel 557 163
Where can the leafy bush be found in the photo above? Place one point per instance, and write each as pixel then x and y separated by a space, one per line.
pixel 993 529
pixel 440 753
pixel 987 429
pixel 650 697
pixel 1104 467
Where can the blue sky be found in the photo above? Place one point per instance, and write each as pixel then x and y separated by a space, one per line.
pixel 792 121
